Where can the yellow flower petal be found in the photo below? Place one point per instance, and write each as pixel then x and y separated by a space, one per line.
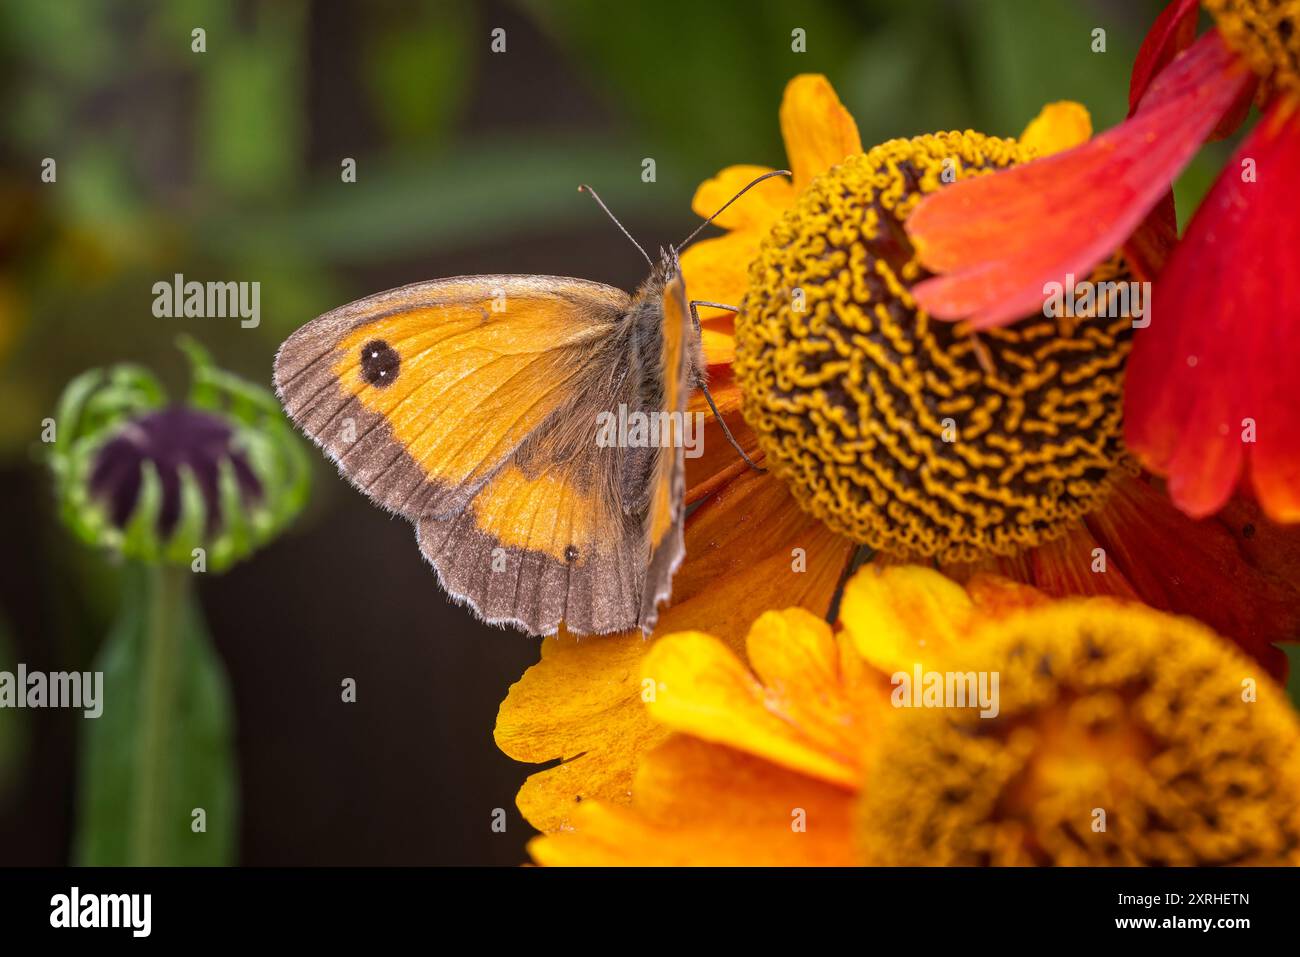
pixel 905 614
pixel 700 687
pixel 582 701
pixel 817 682
pixel 573 702
pixel 819 132
pixel 794 653
pixel 702 804
pixel 718 270
pixel 1058 127
pixel 757 209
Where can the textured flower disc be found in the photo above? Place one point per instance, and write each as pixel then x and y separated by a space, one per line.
pixel 1124 737
pixel 905 433
pixel 1266 33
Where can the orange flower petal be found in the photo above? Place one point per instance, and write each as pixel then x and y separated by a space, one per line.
pixel 582 701
pixel 1073 566
pixel 758 209
pixel 702 804
pixel 1222 353
pixel 719 463
pixel 571 705
pixel 719 347
pixel 1002 238
pixel 1017 568
pixel 819 132
pixel 817 681
pixel 748 546
pixel 1058 569
pixel 718 270
pixel 996 597
pixel 718 338
pixel 701 688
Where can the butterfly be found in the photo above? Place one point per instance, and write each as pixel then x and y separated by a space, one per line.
pixel 472 406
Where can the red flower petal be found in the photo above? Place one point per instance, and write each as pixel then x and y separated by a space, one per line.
pixel 1237 113
pixel 1169 35
pixel 1203 568
pixel 1004 236
pixel 1223 349
pixel 1149 246
pixel 1148 249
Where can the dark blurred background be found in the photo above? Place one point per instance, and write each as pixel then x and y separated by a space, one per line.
pixel 226 165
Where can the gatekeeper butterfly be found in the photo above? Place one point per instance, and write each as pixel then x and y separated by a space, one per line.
pixel 470 406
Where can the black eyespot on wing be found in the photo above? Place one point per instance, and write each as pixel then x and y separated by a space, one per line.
pixel 571 554
pixel 379 363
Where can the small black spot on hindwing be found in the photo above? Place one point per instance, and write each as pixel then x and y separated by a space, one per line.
pixel 379 363
pixel 571 554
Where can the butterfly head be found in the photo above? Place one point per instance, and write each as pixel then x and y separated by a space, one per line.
pixel 669 265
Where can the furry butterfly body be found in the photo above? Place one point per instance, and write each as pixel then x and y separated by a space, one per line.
pixel 470 406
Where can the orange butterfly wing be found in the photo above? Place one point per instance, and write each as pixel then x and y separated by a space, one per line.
pixel 469 405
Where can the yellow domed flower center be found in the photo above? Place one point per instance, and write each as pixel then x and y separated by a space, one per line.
pixel 906 433
pixel 1266 33
pixel 1123 736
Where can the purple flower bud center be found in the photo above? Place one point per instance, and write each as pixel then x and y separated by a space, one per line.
pixel 172 438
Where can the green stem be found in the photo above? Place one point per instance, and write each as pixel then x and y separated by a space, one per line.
pixel 168 598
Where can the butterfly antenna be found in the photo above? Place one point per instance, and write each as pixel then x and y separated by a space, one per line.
pixel 775 172
pixel 584 187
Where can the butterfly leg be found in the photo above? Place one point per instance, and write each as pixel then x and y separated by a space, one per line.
pixel 704 386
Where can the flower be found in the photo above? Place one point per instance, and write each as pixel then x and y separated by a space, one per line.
pixel 1114 734
pixel 908 435
pixel 999 450
pixel 750 541
pixel 819 133
pixel 1212 384
pixel 221 473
